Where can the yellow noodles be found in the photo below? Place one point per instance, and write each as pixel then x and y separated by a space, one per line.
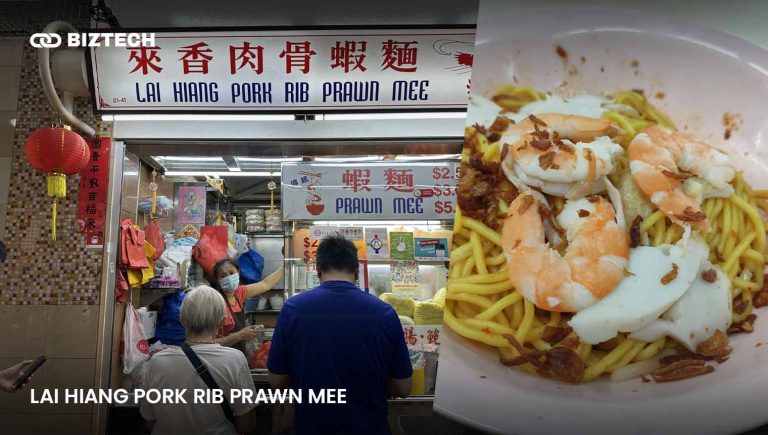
pixel 482 305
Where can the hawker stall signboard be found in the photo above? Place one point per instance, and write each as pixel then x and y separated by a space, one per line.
pixel 372 191
pixel 290 70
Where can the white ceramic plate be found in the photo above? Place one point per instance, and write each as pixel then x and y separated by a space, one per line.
pixel 702 74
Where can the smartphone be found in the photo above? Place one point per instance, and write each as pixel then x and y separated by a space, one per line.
pixel 28 372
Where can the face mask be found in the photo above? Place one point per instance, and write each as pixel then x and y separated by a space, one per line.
pixel 229 284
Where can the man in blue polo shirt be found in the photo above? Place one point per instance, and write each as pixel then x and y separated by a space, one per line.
pixel 336 336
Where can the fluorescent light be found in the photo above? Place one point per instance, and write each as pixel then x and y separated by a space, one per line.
pixel 264 159
pixel 233 169
pixel 188 159
pixel 198 118
pixel 405 115
pixel 221 174
pixel 430 157
pixel 348 159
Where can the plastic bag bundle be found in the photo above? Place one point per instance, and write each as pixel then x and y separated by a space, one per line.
pixel 254 220
pixel 163 204
pixel 241 244
pixel 274 220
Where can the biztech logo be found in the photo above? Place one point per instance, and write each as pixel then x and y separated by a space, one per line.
pixel 54 40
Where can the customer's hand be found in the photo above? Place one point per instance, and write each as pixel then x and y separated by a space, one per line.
pixel 9 376
pixel 249 332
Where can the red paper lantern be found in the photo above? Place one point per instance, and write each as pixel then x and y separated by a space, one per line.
pixel 59 152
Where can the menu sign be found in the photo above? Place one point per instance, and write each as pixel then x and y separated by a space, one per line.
pixel 406 280
pixel 431 249
pixel 92 194
pixel 376 191
pixel 319 232
pixel 402 245
pixel 289 70
pixel 376 243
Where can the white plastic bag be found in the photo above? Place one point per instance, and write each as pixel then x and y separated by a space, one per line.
pixel 135 346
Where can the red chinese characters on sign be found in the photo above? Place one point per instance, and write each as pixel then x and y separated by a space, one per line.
pixel 246 55
pixel 409 335
pixel 357 179
pixel 433 336
pixel 345 55
pixel 92 194
pixel 399 55
pixel 145 58
pixel 348 55
pixel 297 55
pixel 196 58
pixel 399 180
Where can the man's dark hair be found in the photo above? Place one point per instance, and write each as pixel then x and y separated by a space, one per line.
pixel 337 253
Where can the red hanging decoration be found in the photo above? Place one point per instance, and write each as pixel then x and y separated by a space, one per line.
pixel 59 152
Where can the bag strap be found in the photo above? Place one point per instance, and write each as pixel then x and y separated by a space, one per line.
pixel 203 372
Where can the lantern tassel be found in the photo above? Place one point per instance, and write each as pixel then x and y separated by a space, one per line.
pixel 53 221
pixel 57 188
pixel 272 201
pixel 57 185
pixel 153 188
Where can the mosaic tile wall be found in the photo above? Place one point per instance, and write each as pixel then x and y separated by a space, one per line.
pixel 39 271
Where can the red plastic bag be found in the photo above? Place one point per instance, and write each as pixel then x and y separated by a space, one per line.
pixel 211 247
pixel 121 286
pixel 135 346
pixel 155 238
pixel 132 253
pixel 262 355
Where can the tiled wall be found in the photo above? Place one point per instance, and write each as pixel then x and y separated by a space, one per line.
pixel 49 291
pixel 39 271
pixel 10 70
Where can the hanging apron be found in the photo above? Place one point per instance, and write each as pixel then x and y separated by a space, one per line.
pixel 239 319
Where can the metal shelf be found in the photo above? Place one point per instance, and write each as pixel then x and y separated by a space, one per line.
pixel 275 235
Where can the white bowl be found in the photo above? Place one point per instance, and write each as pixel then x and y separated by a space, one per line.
pixel 262 303
pixel 703 74
pixel 276 302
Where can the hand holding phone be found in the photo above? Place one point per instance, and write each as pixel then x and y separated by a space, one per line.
pixel 14 377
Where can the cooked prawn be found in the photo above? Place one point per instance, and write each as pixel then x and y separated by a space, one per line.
pixel 563 155
pixel 660 161
pixel 593 264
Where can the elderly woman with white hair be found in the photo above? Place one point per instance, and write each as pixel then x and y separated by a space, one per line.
pixel 199 363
